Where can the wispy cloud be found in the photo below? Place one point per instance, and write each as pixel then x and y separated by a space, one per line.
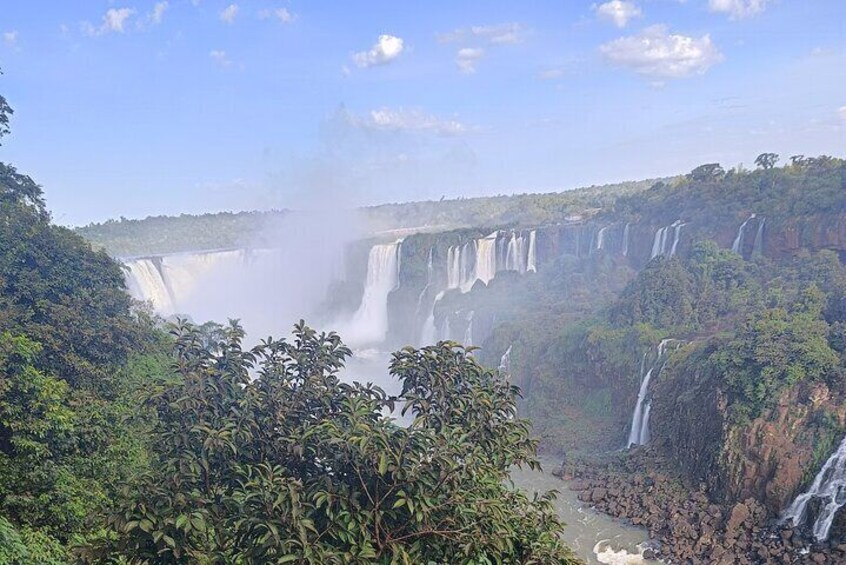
pixel 467 57
pixel 842 113
pixel 10 38
pixel 114 21
pixel 158 12
pixel 658 53
pixel 280 14
pixel 229 13
pixel 738 9
pixel 220 58
pixel 499 34
pixel 409 120
pixel 386 49
pixel 618 12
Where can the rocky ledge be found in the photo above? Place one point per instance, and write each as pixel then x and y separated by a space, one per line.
pixel 688 527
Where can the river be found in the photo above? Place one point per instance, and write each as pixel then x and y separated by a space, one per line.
pixel 594 537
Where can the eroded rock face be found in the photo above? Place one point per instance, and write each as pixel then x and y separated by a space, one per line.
pixel 770 458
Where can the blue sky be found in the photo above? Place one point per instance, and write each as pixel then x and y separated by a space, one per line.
pixel 139 107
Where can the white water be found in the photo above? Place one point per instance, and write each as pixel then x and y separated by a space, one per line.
pixel 145 283
pixel 505 361
pixel 737 245
pixel 830 486
pixel 639 432
pixel 485 259
pixel 369 324
pixel 600 238
pixel 758 244
pixel 659 243
pixel 468 333
pixel 626 240
pixel 515 257
pixel 532 259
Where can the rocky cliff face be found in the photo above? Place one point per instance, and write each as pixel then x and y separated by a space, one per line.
pixel 770 458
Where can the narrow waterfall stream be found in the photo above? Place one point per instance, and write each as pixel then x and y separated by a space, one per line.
pixel 829 487
pixel 639 432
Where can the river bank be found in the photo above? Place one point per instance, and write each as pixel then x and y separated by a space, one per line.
pixel 687 526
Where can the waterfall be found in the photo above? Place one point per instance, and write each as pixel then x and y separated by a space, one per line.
pixel 532 260
pixel 830 487
pixel 515 257
pixel 600 238
pixel 369 324
pixel 430 273
pixel 737 245
pixel 468 332
pixel 639 432
pixel 505 361
pixel 485 259
pixel 678 227
pixel 626 240
pixel 145 282
pixel 758 244
pixel 429 333
pixel 659 243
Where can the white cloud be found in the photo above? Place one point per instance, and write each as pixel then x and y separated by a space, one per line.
pixel 386 49
pixel 842 113
pixel 10 38
pixel 467 58
pixel 656 52
pixel 500 34
pixel 158 12
pixel 228 14
pixel 618 12
pixel 737 9
pixel 220 58
pixel 551 74
pixel 113 22
pixel 411 120
pixel 281 14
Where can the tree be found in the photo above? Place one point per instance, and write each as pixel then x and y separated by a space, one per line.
pixel 707 172
pixel 296 466
pixel 766 161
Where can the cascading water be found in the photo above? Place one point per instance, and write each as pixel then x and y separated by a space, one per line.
pixel 515 257
pixel 829 487
pixel 145 282
pixel 676 237
pixel 639 432
pixel 737 245
pixel 659 243
pixel 600 238
pixel 532 259
pixel 626 240
pixel 369 324
pixel 468 332
pixel 485 259
pixel 758 244
pixel 505 361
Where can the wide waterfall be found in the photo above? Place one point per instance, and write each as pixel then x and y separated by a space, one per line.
pixel 660 242
pixel 829 487
pixel 639 432
pixel 369 324
pixel 737 245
